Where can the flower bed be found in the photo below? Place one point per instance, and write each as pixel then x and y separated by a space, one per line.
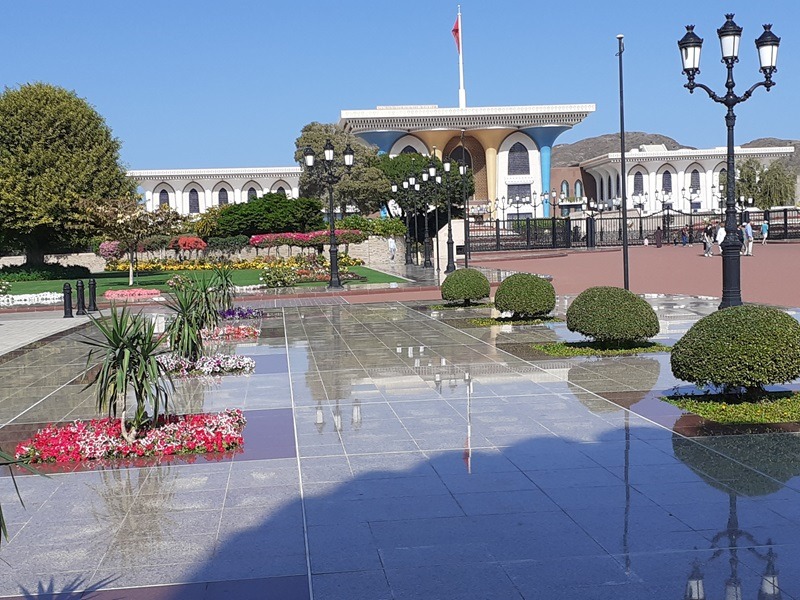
pixel 230 332
pixel 207 365
pixel 101 438
pixel 307 240
pixel 28 299
pixel 239 312
pixel 131 294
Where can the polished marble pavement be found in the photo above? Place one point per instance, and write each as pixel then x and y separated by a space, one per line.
pixel 390 454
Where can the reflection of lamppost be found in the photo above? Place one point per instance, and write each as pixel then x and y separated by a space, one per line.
pixel 331 177
pixel 451 264
pixel 767 45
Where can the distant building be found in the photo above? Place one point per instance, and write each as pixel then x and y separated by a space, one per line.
pixel 193 191
pixel 686 180
pixel 506 147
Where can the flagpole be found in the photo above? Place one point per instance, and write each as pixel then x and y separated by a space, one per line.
pixel 462 93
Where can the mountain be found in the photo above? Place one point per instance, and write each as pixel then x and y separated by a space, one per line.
pixel 793 160
pixel 569 155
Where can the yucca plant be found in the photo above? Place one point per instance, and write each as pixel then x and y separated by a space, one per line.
pixel 224 288
pixel 129 347
pixel 184 328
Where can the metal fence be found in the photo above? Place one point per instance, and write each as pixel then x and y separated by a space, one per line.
pixel 604 230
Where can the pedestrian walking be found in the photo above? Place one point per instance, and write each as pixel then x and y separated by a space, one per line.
pixel 684 236
pixel 720 237
pixel 747 235
pixel 658 236
pixel 392 248
pixel 708 239
pixel 764 231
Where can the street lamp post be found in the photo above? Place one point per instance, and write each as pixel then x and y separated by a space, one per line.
pixel 767 45
pixel 406 208
pixel 451 264
pixel 331 177
pixel 462 170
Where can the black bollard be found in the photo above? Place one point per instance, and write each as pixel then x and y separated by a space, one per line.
pixel 92 295
pixel 67 301
pixel 80 298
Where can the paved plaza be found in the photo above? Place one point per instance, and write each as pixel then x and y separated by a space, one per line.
pixel 392 451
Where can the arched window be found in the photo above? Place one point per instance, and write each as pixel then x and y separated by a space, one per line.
pixel 565 188
pixel 251 194
pixel 281 190
pixel 409 150
pixel 638 184
pixel 666 182
pixel 194 202
pixel 518 160
pixel 578 189
pixel 610 189
pixel 462 156
pixel 163 198
pixel 223 197
pixel 602 190
pixel 695 181
pixel 619 187
pixel 723 178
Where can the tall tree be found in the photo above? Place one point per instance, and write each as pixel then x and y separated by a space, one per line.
pixel 767 186
pixel 364 187
pixel 56 152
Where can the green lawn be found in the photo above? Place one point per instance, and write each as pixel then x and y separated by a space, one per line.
pixel 119 280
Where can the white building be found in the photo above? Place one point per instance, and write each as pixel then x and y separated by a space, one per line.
pixel 686 180
pixel 193 191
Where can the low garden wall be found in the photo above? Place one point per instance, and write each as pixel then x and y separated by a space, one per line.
pixel 374 252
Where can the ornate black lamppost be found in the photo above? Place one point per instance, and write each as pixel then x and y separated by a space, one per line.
pixel 451 264
pixel 428 180
pixel 331 177
pixel 462 170
pixel 729 36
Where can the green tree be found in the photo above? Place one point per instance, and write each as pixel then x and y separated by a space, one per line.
pixel 748 177
pixel 272 213
pixel 778 185
pixel 767 186
pixel 56 152
pixel 399 168
pixel 129 222
pixel 365 187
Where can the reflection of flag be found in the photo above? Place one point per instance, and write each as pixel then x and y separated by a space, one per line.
pixel 457 34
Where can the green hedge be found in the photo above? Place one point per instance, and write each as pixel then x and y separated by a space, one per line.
pixel 611 315
pixel 739 347
pixel 525 295
pixel 465 285
pixel 43 272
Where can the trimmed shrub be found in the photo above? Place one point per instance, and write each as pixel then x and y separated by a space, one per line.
pixel 739 347
pixel 465 285
pixel 525 295
pixel 44 272
pixel 612 316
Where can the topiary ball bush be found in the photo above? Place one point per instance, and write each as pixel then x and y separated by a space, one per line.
pixel 739 347
pixel 465 285
pixel 525 295
pixel 612 316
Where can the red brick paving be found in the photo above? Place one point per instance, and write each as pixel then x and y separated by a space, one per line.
pixel 770 276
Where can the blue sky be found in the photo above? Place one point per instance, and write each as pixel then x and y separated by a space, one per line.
pixel 230 83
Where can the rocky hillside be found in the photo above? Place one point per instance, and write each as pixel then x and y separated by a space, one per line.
pixel 569 155
pixel 793 160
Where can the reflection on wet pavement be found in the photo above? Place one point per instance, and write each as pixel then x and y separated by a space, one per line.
pixel 392 455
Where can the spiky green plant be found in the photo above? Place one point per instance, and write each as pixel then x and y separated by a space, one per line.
pixel 129 348
pixel 187 321
pixel 224 288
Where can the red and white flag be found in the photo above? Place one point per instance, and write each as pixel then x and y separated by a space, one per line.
pixel 457 33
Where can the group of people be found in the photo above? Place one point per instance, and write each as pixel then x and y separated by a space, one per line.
pixel 714 233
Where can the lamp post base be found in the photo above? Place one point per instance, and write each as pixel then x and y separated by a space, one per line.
pixel 451 265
